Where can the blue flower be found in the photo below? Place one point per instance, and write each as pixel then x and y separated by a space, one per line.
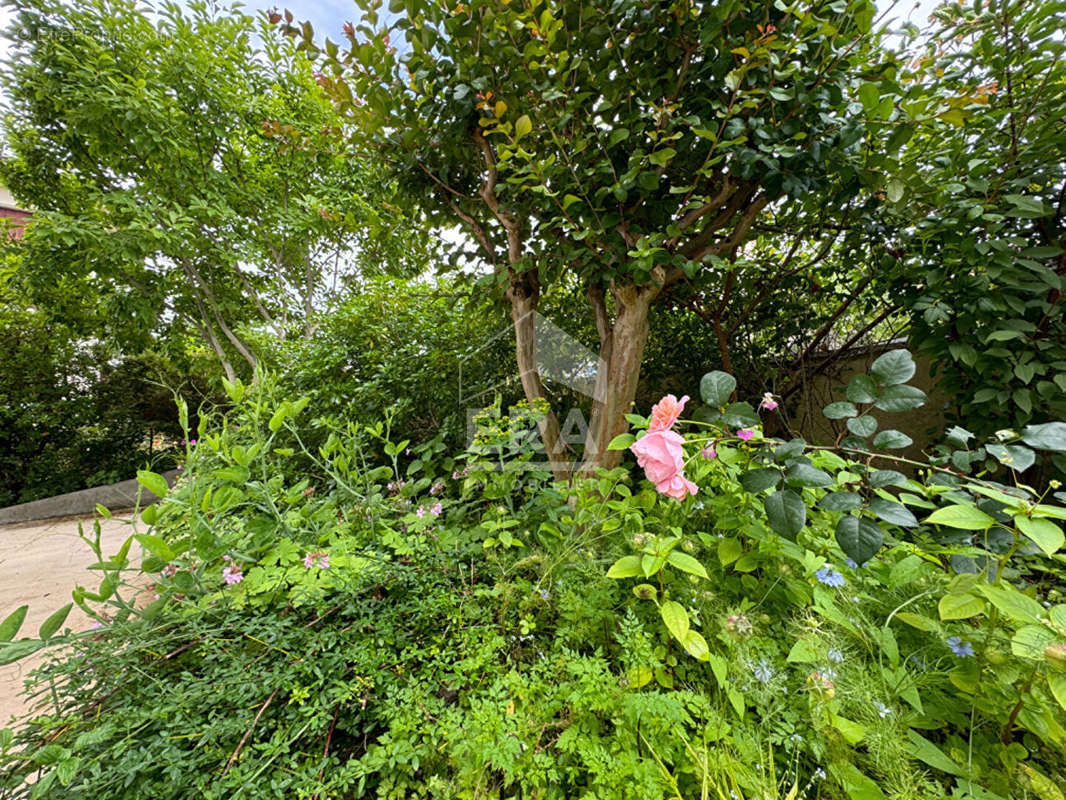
pixel 829 577
pixel 835 654
pixel 882 710
pixel 851 562
pixel 762 671
pixel 960 647
pixel 544 594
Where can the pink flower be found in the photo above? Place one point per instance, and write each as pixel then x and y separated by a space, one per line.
pixel 437 487
pixel 768 402
pixel 169 571
pixel 421 511
pixel 660 454
pixel 662 457
pixel 665 413
pixel 437 510
pixel 677 487
pixel 309 560
pixel 232 575
pixel 709 452
pixel 745 433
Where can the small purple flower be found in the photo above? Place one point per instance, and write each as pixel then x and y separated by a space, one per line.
pixel 169 571
pixel 768 402
pixel 455 475
pixel 232 575
pixel 544 594
pixel 437 488
pixel 960 647
pixel 407 452
pixel 709 452
pixel 421 512
pixel 829 577
pixel 745 433
pixel 436 510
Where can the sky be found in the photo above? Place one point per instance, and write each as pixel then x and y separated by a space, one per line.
pixel 327 16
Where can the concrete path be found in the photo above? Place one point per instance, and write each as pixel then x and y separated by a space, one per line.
pixel 40 563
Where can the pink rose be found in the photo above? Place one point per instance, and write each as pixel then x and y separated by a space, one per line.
pixel 665 413
pixel 677 487
pixel 660 454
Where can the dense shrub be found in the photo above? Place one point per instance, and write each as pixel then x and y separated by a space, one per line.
pixel 462 627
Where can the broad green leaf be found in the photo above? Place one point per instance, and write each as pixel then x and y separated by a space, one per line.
pixel 899 398
pixel 154 483
pixel 696 646
pixel 625 567
pixel 54 621
pixel 686 563
pixel 893 367
pixel 676 619
pixel 960 606
pixel 968 518
pixel 893 513
pixel 729 550
pixel 804 652
pixel 851 731
pixel 1014 456
pixel 859 538
pixel 840 410
pixel 1029 642
pixel 862 389
pixel 757 480
pixel 1013 604
pixel 917 621
pixel 155 545
pixel 622 441
pixel 1049 436
pixel 1045 534
pixel 522 126
pixel 840 501
pixel 800 474
pixel 1057 684
pixel 717 387
pixel 862 426
pixel 11 624
pixel 892 440
pixel 786 512
pixel 881 478
pixel 924 750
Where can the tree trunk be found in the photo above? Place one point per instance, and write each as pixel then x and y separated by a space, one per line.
pixel 621 351
pixel 524 294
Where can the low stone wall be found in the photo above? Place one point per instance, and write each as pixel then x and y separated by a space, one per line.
pixel 84 502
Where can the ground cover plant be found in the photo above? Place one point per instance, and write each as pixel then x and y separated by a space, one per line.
pixel 761 618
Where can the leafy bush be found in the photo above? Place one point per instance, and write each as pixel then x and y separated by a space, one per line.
pixel 459 627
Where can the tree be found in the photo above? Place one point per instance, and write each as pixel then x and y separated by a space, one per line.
pixel 978 200
pixel 185 174
pixel 630 146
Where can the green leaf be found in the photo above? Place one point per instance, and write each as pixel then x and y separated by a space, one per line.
pixel 758 480
pixel 626 567
pixel 859 538
pixel 155 545
pixel 870 96
pixel 1030 641
pixel 893 513
pixel 622 441
pixel 676 619
pixel 1016 457
pixel 851 731
pixel 892 440
pixel 804 652
pixel 786 513
pixel 968 518
pixel 729 550
pixel 1013 604
pixel 960 606
pixel 522 126
pixel 898 398
pixel 895 191
pixel 1049 436
pixel 154 483
pixel 893 367
pixel 917 621
pixel 686 563
pixel 881 478
pixel 840 501
pixel 53 623
pixel 1043 532
pixel 800 474
pixel 10 626
pixel 1057 684
pixel 840 410
pixel 661 158
pixel 862 426
pixel 717 387
pixel 924 750
pixel 696 646
pixel 862 389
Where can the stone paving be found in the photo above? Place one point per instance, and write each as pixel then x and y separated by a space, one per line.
pixel 40 563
